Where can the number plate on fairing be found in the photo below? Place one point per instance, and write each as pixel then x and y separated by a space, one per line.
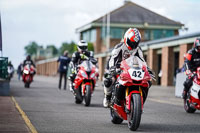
pixel 136 74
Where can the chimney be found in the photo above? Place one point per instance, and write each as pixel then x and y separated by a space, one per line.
pixel 126 1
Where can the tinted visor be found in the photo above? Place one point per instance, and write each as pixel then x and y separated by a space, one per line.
pixel 133 45
pixel 83 47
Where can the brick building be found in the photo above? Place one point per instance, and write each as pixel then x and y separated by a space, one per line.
pixel 163 47
pixel 151 25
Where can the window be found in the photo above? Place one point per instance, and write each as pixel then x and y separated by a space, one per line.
pixel 147 35
pixel 115 33
pixel 89 36
pixel 157 34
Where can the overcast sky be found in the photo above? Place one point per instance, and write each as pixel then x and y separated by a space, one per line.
pixel 55 21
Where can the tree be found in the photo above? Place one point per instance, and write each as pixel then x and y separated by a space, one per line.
pixel 90 46
pixel 31 48
pixel 70 47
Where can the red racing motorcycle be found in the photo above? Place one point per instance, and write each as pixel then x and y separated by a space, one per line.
pixel 84 82
pixel 192 100
pixel 27 76
pixel 133 77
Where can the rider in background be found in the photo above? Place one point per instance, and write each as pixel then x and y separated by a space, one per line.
pixel 78 57
pixel 122 51
pixel 28 61
pixel 192 61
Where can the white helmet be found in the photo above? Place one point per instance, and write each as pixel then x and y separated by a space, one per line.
pixel 82 45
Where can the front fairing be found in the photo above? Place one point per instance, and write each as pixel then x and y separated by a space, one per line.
pixel 86 73
pixel 133 63
pixel 195 90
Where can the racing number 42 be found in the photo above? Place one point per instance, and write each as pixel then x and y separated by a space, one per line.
pixel 137 74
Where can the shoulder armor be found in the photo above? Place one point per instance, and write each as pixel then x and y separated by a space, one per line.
pixel 75 54
pixel 191 51
pixel 118 45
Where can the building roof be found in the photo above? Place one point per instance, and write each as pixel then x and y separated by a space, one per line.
pixel 133 15
pixel 170 41
pixel 160 43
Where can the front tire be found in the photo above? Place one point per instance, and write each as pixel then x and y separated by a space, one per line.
pixel 187 106
pixel 87 95
pixel 115 117
pixel 136 111
pixel 26 85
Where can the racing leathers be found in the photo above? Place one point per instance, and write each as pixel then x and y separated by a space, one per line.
pixel 29 62
pixel 192 61
pixel 120 53
pixel 26 62
pixel 77 59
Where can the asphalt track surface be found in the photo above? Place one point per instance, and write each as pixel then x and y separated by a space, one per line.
pixel 52 110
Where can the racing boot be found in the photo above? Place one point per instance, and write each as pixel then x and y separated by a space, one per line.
pixel 71 88
pixel 184 94
pixel 106 101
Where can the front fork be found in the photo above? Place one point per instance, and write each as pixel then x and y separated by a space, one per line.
pixel 129 97
pixel 84 87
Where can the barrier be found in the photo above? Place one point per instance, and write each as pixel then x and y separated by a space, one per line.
pixel 4 87
pixel 47 67
pixel 180 78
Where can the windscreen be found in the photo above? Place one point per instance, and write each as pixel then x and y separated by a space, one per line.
pixel 87 65
pixel 134 62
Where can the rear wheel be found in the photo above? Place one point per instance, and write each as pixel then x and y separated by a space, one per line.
pixel 115 117
pixel 187 106
pixel 87 95
pixel 136 111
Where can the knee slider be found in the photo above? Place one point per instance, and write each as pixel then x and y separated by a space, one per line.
pixel 107 91
pixel 107 82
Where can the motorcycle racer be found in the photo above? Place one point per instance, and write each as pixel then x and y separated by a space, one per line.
pixel 192 61
pixel 28 61
pixel 78 57
pixel 122 51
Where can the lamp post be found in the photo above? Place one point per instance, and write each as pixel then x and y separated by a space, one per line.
pixel 108 32
pixel 1 38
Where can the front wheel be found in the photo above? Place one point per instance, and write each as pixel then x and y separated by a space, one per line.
pixel 26 85
pixel 136 111
pixel 187 106
pixel 87 95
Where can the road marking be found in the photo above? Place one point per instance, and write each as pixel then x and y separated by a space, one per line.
pixel 163 101
pixel 25 117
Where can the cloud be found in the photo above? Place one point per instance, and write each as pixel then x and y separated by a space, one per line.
pixel 55 21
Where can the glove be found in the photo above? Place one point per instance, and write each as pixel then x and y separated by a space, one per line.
pixel 83 56
pixel 189 74
pixel 151 73
pixel 112 70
